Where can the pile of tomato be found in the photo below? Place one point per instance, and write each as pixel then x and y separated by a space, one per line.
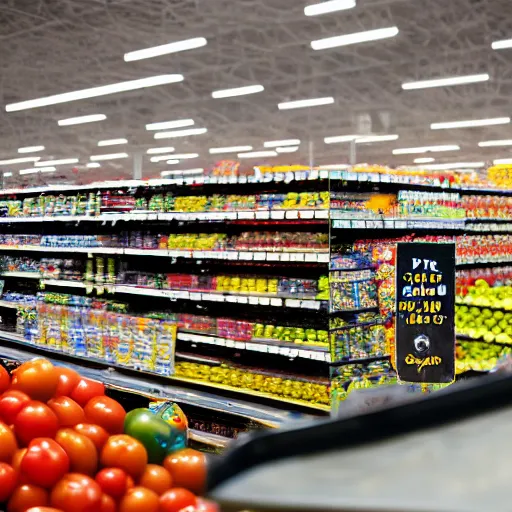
pixel 63 449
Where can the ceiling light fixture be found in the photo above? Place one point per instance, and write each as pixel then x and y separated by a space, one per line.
pixel 170 125
pixel 82 119
pixel 358 37
pixel 7 174
pixel 426 149
pixel 257 154
pixel 31 149
pixel 48 169
pixel 445 82
pixel 157 151
pixel 340 138
pixel 182 156
pixel 237 91
pixel 22 160
pixel 470 123
pixel 112 156
pixel 313 102
pixel 182 171
pixel 112 142
pixel 180 133
pixel 63 161
pixel 165 49
pixel 33 170
pixel 329 6
pixel 333 166
pixel 29 171
pixel 287 149
pixel 455 165
pixel 229 149
pixel 492 143
pixel 281 143
pixel 93 165
pixel 375 138
pixel 502 161
pixel 424 160
pixel 501 45
pixel 94 92
pixel 172 162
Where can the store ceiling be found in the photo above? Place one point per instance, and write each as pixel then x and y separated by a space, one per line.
pixel 56 46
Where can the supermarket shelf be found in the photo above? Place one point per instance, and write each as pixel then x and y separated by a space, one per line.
pixel 434 224
pixel 12 305
pixel 495 261
pixel 298 256
pixel 365 360
pixel 465 337
pixel 62 282
pixel 289 350
pixel 24 275
pixel 209 439
pixel 149 385
pixel 484 227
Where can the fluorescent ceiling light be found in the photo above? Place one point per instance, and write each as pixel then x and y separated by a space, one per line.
pixel 470 124
pixel 500 45
pixel 333 166
pixel 257 154
pixel 22 160
pixel 111 156
pixel 93 165
pixel 287 149
pixel 156 151
pixel 31 149
pixel 229 149
pixel 64 161
pixel 340 138
pixel 424 160
pixel 358 37
pixel 38 169
pixel 182 156
pixel 165 49
pixel 94 92
pixel 375 138
pixel 170 125
pixel 329 6
pixel 313 102
pixel 455 165
pixel 29 171
pixel 502 161
pixel 48 169
pixel 172 162
pixel 425 149
pixel 444 82
pixel 112 142
pixel 180 133
pixel 182 172
pixel 7 174
pixel 281 143
pixel 238 91
pixel 492 143
pixel 82 119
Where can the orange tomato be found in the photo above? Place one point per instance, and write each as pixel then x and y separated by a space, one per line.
pixel 25 497
pixel 188 469
pixel 98 435
pixel 156 478
pixel 8 445
pixel 76 493
pixel 37 378
pixel 5 379
pixel 68 379
pixel 83 456
pixel 8 480
pixel 138 499
pixel 126 453
pixel 16 462
pixel 67 411
pixel 105 412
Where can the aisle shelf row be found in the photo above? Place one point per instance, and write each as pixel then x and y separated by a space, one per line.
pixel 433 224
pixel 156 386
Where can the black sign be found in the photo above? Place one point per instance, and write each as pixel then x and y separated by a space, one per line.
pixel 425 312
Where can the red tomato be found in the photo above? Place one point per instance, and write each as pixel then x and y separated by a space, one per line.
pixel 76 493
pixel 83 456
pixel 85 390
pixel 176 500
pixel 8 445
pixel 8 480
pixel 16 463
pixel 125 452
pixel 43 509
pixel 98 435
pixel 35 420
pixel 156 478
pixel 44 463
pixel 68 379
pixel 25 497
pixel 107 504
pixel 206 506
pixel 188 469
pixel 138 499
pixel 37 378
pixel 114 482
pixel 67 411
pixel 11 403
pixel 5 379
pixel 105 412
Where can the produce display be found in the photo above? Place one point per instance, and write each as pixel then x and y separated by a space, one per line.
pixel 65 444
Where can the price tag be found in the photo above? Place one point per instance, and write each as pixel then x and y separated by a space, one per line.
pixel 297 256
pixel 232 255
pixel 284 351
pixel 221 342
pixel 272 349
pixel 272 256
pixel 313 175
pixel 242 179
pixel 358 224
pixel 242 300
pixel 251 346
pixel 198 254
pixel 384 178
pixel 311 257
pixel 323 258
pixel 293 352
pixel 292 214
pixel 285 256
pixel 263 215
pixel 306 214
pixel 389 224
pixel 277 215
pixel 311 304
pixel 182 294
pixel 276 302
pixel 305 354
pixel 400 224
pixel 245 255
pixel 264 301
pixel 231 298
pixel 321 214
pixel 292 303
pixel 341 224
pixel 374 178
pixel 239 345
pixel 245 215
pixel 233 180
pixel 195 296
pixel 254 301
pixel 362 177
pixel 230 343
pixel 278 177
pixel 259 256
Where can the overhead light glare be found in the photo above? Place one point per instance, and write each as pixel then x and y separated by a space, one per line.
pixel 63 161
pixel 112 142
pixel 358 37
pixel 333 166
pixel 111 156
pixel 502 45
pixel 375 138
pixel 313 102
pixel 170 125
pixel 48 169
pixel 287 149
pixel 22 160
pixel 94 92
pixel 281 143
pixel 426 149
pixel 424 160
pixel 157 151
pixel 329 6
pixel 455 165
pixel 165 49
pixel 180 133
pixel 445 82
pixel 93 165
pixel 33 170
pixel 31 149
pixel 502 161
pixel 257 154
pixel 172 162
pixel 470 123
pixel 182 172
pixel 182 156
pixel 229 149
pixel 493 143
pixel 237 91
pixel 29 171
pixel 340 138
pixel 82 119
pixel 7 174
